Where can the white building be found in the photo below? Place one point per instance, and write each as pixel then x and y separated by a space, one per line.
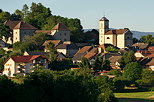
pixel 119 37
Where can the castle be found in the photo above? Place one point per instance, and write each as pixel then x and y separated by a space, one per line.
pixel 118 37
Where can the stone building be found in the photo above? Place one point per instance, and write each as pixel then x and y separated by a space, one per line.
pixel 18 30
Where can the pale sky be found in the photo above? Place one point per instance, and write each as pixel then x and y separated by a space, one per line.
pixel 133 14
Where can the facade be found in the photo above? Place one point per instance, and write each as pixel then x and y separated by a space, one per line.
pixel 61 32
pixel 67 49
pixel 119 37
pixel 23 64
pixel 18 29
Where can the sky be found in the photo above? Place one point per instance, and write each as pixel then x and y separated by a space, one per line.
pixel 136 15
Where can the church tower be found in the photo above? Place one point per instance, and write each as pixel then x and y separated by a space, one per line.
pixel 103 27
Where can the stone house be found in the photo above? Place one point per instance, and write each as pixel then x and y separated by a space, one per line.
pixel 18 29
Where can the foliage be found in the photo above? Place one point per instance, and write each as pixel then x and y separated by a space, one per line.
pixel 4 31
pixel 115 72
pixel 132 71
pixel 111 49
pixel 101 64
pixel 85 65
pixel 147 78
pixel 109 96
pixel 104 83
pixel 4 16
pixel 149 39
pixel 127 58
pixel 60 65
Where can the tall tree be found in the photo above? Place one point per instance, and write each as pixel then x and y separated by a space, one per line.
pixel 149 39
pixel 132 71
pixel 25 11
pixel 85 65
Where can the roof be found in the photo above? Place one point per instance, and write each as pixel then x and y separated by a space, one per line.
pixel 90 55
pixel 43 31
pixel 60 26
pixel 114 59
pixel 11 24
pixel 25 59
pixel 94 50
pixel 151 62
pixel 103 19
pixel 151 48
pixel 140 45
pixel 36 53
pixel 116 31
pixel 67 46
pixel 55 42
pixel 24 25
pixel 84 49
pixel 78 56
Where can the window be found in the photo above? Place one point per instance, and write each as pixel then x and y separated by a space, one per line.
pixel 108 38
pixel 65 34
pixel 128 38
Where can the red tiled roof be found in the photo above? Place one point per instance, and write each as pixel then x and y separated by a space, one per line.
pixel 117 31
pixel 11 24
pixel 23 25
pixel 151 49
pixel 60 26
pixel 84 49
pixel 55 42
pixel 89 55
pixel 28 58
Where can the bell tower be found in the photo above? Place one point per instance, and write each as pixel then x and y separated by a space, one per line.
pixel 103 28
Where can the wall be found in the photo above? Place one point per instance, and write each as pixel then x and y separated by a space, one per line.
pixel 9 68
pixel 120 41
pixel 61 35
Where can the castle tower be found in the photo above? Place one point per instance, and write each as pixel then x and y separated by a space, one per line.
pixel 103 27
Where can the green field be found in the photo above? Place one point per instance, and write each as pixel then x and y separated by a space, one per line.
pixel 136 97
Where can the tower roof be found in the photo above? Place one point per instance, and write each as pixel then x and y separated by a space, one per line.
pixel 103 19
pixel 23 25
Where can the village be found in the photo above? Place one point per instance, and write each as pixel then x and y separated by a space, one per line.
pixel 119 39
pixel 53 55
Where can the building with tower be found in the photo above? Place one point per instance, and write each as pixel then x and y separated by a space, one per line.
pixel 118 37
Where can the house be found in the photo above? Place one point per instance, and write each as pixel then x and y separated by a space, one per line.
pixel 88 52
pixel 59 32
pixel 118 37
pixel 67 48
pixel 151 49
pixel 19 29
pixel 115 62
pixel 23 64
pixel 140 46
pixel 55 42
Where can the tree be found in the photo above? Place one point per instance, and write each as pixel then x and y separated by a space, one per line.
pixel 101 64
pixel 132 71
pixel 149 39
pixel 147 78
pixel 112 49
pixel 85 65
pixel 4 31
pixel 109 96
pixel 127 58
pixel 25 11
pixel 4 16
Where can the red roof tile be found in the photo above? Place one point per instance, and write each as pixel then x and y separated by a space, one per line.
pixel 84 49
pixel 29 58
pixel 117 31
pixel 55 42
pixel 60 26
pixel 43 31
pixel 11 24
pixel 89 55
pixel 23 25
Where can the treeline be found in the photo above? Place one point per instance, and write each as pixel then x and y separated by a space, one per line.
pixel 42 18
pixel 53 86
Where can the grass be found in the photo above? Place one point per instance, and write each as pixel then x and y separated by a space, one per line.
pixel 136 96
